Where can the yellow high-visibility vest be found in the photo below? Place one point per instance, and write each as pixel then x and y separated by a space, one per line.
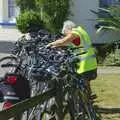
pixel 88 60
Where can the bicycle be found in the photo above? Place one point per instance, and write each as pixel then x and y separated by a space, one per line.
pixel 87 112
pixel 69 94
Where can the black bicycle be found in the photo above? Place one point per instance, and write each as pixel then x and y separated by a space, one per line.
pixel 46 68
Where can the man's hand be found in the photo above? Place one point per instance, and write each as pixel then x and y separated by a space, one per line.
pixel 62 42
pixel 50 45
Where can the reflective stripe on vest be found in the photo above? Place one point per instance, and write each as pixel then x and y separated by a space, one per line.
pixel 86 45
pixel 87 57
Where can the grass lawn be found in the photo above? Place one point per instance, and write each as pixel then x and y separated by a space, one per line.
pixel 107 88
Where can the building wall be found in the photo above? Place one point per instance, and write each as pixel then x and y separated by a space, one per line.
pixel 83 16
pixel 8 30
pixel 3 10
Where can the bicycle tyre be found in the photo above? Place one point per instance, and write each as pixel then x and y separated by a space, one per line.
pixel 83 107
pixel 8 57
pixel 7 60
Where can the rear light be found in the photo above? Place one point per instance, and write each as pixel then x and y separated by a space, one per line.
pixel 7 105
pixel 11 79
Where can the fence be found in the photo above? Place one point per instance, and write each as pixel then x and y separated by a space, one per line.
pixel 26 104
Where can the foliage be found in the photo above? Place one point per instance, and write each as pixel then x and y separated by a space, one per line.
pixel 110 59
pixel 57 10
pixel 110 23
pixel 113 58
pixel 108 55
pixel 102 52
pixel 52 12
pixel 113 21
pixel 26 4
pixel 29 21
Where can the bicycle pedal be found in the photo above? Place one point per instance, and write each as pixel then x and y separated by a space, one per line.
pixel 93 96
pixel 79 116
pixel 52 118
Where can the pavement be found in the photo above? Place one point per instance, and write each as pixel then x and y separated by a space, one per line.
pixel 109 70
pixel 6 47
pixel 5 50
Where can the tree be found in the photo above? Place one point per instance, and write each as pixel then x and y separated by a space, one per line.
pixel 111 23
pixel 26 4
pixel 52 12
pixel 58 10
pixel 29 21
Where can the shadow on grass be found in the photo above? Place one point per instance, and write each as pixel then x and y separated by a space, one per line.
pixel 107 110
pixel 101 110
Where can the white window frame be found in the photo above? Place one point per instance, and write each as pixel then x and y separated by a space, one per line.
pixel 11 9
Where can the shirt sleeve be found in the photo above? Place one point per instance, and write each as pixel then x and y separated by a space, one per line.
pixel 76 41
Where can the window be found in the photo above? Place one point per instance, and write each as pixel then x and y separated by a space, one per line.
pixel 11 9
pixel 107 3
pixel 115 2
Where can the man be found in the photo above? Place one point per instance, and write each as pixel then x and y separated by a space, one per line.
pixel 78 37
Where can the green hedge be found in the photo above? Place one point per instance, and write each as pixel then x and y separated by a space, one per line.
pixel 52 12
pixel 108 55
pixel 29 21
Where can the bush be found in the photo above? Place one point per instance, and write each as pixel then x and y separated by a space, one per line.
pixel 29 21
pixel 113 58
pixel 110 59
pixel 102 51
pixel 53 13
pixel 108 55
pixel 25 4
pixel 57 10
pixel 117 57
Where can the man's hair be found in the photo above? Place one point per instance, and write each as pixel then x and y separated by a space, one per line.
pixel 68 25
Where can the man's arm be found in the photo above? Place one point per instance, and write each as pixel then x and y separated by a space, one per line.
pixel 63 42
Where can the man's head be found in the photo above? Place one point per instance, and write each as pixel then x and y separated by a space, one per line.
pixel 67 27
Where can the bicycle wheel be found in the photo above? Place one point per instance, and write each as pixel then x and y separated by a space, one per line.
pixel 49 112
pixel 12 58
pixel 36 112
pixel 7 60
pixel 83 107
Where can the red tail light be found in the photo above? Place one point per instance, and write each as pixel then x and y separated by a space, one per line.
pixel 11 79
pixel 7 105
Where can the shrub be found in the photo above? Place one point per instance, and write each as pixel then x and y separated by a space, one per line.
pixel 25 4
pixel 29 21
pixel 117 57
pixel 102 51
pixel 52 12
pixel 110 59
pixel 108 55
pixel 57 10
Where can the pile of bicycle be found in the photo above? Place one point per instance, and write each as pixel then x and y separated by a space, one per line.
pixel 33 68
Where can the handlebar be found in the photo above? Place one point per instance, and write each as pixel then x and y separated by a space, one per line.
pixel 9 65
pixel 76 48
pixel 82 53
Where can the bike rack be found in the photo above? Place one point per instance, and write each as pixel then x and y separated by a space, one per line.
pixel 26 104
